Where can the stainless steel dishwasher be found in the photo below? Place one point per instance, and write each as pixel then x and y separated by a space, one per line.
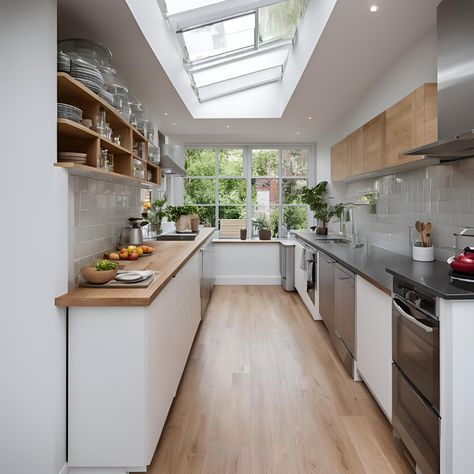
pixel 326 291
pixel 344 317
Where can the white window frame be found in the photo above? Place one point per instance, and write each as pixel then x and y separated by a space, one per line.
pixel 247 175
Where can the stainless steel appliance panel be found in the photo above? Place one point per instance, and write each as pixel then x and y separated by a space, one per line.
pixel 416 423
pixel 326 291
pixel 415 347
pixel 287 267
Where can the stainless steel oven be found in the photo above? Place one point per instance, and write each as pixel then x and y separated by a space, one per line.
pixel 415 354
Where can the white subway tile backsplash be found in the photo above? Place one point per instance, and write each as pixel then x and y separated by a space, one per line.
pixel 442 195
pixel 100 211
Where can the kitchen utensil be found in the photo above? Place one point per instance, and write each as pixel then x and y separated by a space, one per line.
pixel 136 234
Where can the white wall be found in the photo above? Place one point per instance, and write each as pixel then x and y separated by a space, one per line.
pixel 417 66
pixel 33 204
pixel 247 263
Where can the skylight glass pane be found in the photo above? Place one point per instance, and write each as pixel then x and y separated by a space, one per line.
pixel 240 67
pixel 280 20
pixel 219 38
pixel 240 83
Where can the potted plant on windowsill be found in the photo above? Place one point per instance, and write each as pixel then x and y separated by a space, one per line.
pixel 318 201
pixel 262 224
pixel 182 216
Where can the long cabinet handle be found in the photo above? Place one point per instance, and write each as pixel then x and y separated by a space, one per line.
pixel 411 318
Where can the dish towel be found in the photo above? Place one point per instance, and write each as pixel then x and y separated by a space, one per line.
pixel 303 265
pixel 310 258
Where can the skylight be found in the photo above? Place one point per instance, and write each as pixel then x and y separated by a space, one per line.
pixel 231 45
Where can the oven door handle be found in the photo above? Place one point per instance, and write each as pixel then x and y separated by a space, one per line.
pixel 411 318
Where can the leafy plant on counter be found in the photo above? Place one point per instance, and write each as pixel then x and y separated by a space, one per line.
pixel 105 265
pixel 173 213
pixel 156 212
pixel 318 201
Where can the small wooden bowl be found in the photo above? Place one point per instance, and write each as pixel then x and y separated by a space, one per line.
pixel 97 277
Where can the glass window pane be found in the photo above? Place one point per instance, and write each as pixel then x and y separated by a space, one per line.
pixel 200 162
pixel 280 20
pixel 264 162
pixel 199 191
pixel 267 218
pixel 232 191
pixel 264 192
pixel 231 162
pixel 291 190
pixel 293 218
pixel 221 37
pixel 294 162
pixel 207 215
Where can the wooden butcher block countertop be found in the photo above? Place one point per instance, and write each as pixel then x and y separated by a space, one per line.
pixel 167 259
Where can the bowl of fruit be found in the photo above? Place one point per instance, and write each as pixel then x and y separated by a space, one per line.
pixel 132 252
pixel 101 272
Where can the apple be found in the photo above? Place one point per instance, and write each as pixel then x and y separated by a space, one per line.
pixel 133 256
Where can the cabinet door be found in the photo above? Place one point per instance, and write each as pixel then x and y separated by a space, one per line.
pixel 356 143
pixel 160 363
pixel 340 160
pixel 374 138
pixel 374 341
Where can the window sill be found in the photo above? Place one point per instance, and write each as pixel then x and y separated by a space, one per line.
pixel 252 241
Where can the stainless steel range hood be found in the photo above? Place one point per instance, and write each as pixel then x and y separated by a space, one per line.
pixel 455 27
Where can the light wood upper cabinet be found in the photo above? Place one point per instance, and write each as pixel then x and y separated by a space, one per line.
pixel 356 144
pixel 410 123
pixel 340 160
pixel 374 144
pixel 377 147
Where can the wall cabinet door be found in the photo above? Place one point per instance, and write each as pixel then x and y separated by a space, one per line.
pixel 356 150
pixel 374 138
pixel 410 123
pixel 340 160
pixel 374 341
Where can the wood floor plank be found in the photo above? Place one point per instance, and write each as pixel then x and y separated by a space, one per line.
pixel 264 393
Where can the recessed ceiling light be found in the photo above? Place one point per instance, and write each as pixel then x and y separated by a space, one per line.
pixel 227 126
pixel 166 113
pixel 374 8
pixel 174 123
pixel 310 118
pixel 298 132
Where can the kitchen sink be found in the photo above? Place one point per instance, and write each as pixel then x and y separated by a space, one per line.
pixel 175 236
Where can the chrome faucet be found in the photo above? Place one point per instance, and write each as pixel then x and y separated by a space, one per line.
pixel 355 243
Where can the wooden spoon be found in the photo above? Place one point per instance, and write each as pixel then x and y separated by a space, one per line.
pixel 419 228
pixel 427 232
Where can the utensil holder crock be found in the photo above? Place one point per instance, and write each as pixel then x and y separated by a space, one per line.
pixel 423 254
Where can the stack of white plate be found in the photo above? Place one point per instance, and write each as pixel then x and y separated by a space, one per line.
pixel 70 112
pixel 64 63
pixel 88 74
pixel 72 157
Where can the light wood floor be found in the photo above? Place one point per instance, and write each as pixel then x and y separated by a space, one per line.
pixel 264 392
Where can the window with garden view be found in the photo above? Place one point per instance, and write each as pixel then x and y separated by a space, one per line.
pixel 255 184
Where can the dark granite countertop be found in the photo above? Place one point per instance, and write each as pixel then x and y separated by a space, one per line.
pixel 378 266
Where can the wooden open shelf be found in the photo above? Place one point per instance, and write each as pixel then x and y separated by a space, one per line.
pixel 75 137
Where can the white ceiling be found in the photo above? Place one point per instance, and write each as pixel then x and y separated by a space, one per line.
pixel 355 48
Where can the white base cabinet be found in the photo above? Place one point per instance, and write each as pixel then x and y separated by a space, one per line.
pixel 300 283
pixel 374 341
pixel 125 364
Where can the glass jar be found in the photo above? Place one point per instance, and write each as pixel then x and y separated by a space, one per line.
pixel 100 122
pixel 154 154
pixel 149 130
pixel 120 94
pixel 138 169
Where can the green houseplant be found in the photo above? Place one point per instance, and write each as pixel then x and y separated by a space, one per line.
pixel 318 201
pixel 182 216
pixel 155 214
pixel 262 224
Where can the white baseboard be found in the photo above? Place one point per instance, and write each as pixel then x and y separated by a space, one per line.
pixel 248 280
pixel 64 469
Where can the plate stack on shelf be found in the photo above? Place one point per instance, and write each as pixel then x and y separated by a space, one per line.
pixel 72 157
pixel 88 74
pixel 63 62
pixel 69 112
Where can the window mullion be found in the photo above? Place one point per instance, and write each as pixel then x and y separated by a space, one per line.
pixel 248 194
pixel 216 186
pixel 280 191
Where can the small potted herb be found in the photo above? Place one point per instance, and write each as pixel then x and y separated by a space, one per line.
pixel 102 272
pixel 262 224
pixel 181 215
